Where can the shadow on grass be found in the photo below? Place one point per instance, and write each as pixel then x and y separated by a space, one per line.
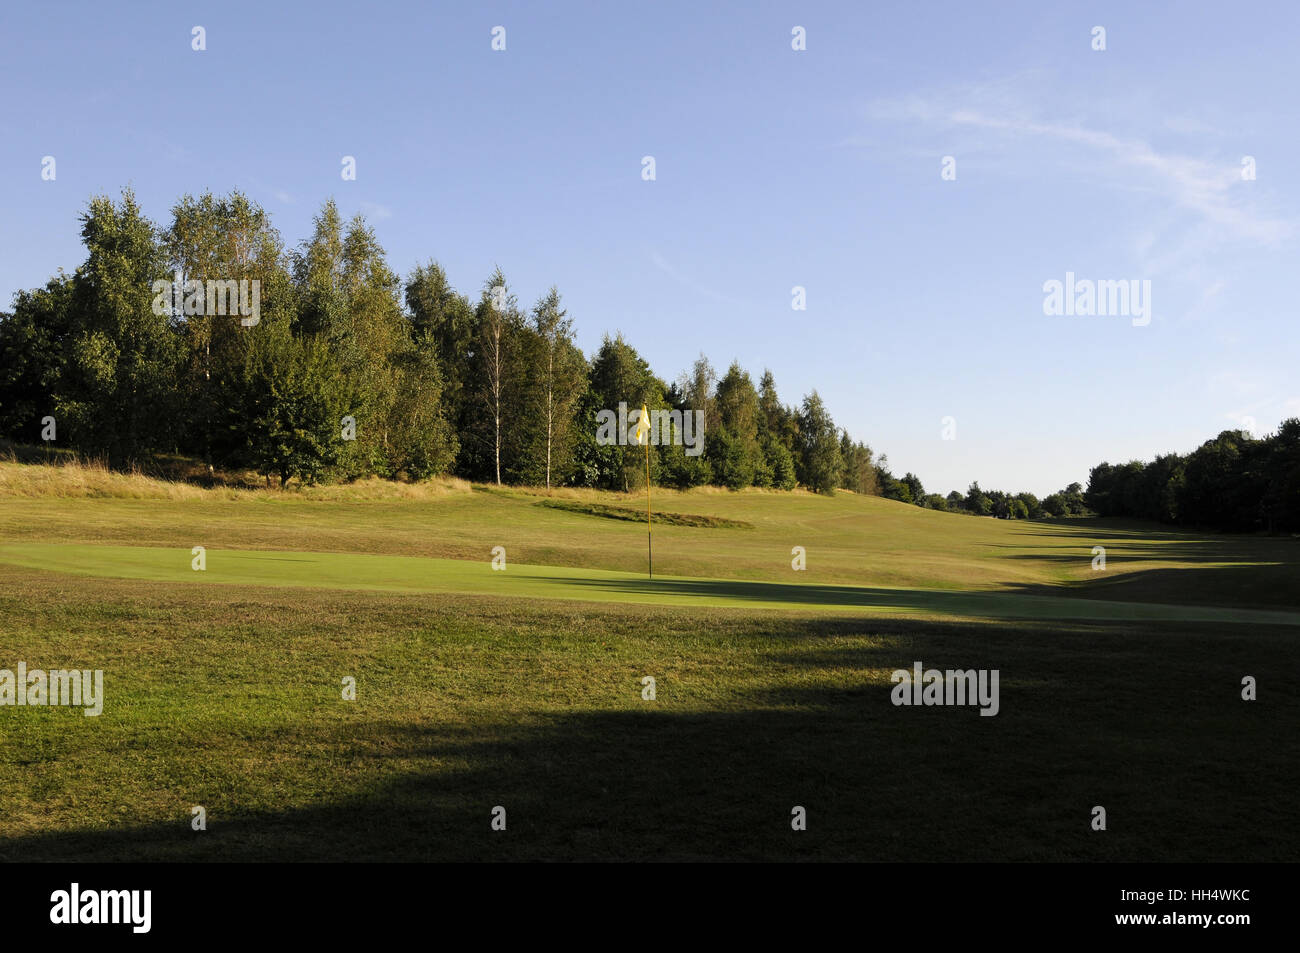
pixel 1240 571
pixel 1021 602
pixel 1089 716
pixel 1276 586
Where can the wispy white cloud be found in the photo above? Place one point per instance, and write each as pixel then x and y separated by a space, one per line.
pixel 1211 189
pixel 1207 188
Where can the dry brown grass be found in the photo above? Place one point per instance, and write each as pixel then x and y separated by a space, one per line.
pixel 375 488
pixel 73 478
pixel 59 473
pixel 81 478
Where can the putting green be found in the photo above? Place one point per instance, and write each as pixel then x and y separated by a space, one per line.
pixel 347 571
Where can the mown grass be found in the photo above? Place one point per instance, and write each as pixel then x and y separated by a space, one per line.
pixel 418 574
pixel 849 540
pixel 225 692
pixel 231 699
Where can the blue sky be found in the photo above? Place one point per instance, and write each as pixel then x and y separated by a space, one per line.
pixel 775 168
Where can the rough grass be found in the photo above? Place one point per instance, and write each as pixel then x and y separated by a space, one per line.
pixel 71 477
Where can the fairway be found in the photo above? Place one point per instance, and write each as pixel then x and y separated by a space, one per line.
pixel 350 571
pixel 524 687
pixel 849 540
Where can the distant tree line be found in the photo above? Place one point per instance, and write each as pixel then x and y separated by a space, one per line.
pixel 978 502
pixel 1234 482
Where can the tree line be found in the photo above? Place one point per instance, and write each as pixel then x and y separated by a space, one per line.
pixel 978 502
pixel 348 370
pixel 1234 482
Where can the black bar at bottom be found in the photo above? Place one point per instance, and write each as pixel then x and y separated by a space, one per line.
pixel 303 901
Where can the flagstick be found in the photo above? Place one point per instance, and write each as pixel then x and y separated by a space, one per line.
pixel 650 550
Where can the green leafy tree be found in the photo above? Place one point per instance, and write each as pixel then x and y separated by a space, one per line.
pixel 915 490
pixel 437 309
pixel 119 393
pixel 495 424
pixel 676 467
pixel 218 239
pixel 349 300
pixel 733 443
pixel 860 474
pixel 594 463
pixel 555 378
pixel 620 374
pixel 367 341
pixel 318 275
pixel 287 405
pixel 978 502
pixel 819 447
pixel 1033 508
pixel 1056 506
pixel 779 462
pixel 1280 504
pixel 34 343
pixel 421 441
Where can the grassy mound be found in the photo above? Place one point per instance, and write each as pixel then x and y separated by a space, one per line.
pixel 639 516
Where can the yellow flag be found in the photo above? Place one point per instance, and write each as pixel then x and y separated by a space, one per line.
pixel 643 427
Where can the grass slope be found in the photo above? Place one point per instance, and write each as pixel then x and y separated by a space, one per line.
pixel 849 540
pixel 344 571
pixel 523 688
